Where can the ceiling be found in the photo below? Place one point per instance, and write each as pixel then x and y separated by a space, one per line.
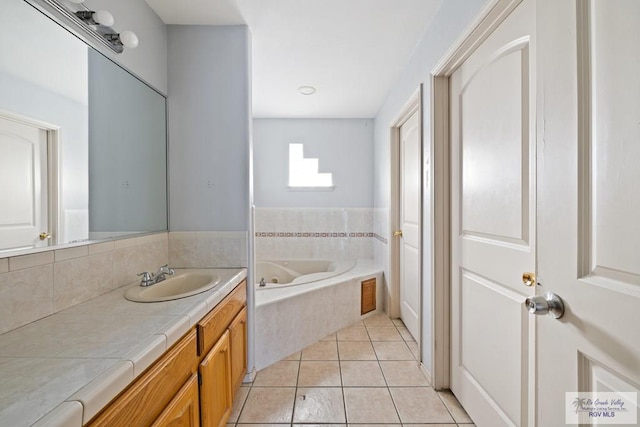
pixel 351 51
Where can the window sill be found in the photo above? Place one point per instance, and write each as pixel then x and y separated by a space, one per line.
pixel 333 187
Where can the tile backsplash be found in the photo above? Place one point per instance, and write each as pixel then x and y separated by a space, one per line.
pixel 37 285
pixel 208 249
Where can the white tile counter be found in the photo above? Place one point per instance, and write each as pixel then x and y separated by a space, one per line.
pixel 61 370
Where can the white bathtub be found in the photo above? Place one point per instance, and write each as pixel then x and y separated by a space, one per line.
pixel 277 274
pixel 290 318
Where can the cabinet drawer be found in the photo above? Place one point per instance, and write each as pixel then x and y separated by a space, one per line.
pixel 213 325
pixel 147 397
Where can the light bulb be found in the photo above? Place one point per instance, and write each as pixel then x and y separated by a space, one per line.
pixel 129 39
pixel 103 17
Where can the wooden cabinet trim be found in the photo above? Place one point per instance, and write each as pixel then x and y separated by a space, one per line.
pixel 148 396
pixel 238 344
pixel 213 325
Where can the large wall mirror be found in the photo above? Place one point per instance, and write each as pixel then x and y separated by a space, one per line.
pixel 83 143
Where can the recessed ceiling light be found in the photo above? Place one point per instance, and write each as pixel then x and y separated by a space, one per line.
pixel 307 90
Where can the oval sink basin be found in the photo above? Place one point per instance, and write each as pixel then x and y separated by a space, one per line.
pixel 182 284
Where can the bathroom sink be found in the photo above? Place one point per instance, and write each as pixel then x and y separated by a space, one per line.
pixel 183 283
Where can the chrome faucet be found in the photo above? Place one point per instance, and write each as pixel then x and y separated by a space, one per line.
pixel 262 282
pixel 163 271
pixel 149 279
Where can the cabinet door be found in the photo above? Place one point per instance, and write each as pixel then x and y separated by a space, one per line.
pixel 238 344
pixel 183 410
pixel 215 391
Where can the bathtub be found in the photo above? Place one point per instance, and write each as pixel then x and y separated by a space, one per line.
pixel 277 274
pixel 290 317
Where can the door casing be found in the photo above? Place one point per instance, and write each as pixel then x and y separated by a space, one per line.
pixel 55 226
pixel 485 23
pixel 413 104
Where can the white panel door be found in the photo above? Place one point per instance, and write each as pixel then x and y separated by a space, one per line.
pixel 23 185
pixel 410 155
pixel 589 205
pixel 493 223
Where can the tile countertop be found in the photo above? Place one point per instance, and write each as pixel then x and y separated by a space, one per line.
pixel 61 370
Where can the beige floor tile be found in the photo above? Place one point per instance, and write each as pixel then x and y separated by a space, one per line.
pixel 330 337
pixel 280 374
pixel 429 425
pixel 353 333
pixel 322 350
pixel 413 346
pixel 398 322
pixel 238 402
pixel 268 405
pixel 403 373
pixel 361 374
pixel 405 334
pixel 392 350
pixel 452 404
pixel 370 405
pixel 319 425
pixel 419 405
pixel 319 405
pixel 315 373
pixel 262 425
pixel 354 350
pixel 294 356
pixel 378 319
pixel 384 333
pixel 376 425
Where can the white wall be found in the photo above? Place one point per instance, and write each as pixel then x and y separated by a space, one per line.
pixel 209 123
pixel 344 148
pixel 452 19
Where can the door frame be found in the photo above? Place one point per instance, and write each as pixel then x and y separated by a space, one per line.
pixel 492 15
pixel 413 104
pixel 55 224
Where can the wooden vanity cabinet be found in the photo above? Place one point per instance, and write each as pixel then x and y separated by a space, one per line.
pixel 143 402
pixel 216 395
pixel 193 383
pixel 184 409
pixel 222 347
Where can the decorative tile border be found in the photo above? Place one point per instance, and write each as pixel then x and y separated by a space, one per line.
pixel 312 234
pixel 380 238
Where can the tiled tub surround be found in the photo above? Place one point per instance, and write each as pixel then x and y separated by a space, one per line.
pixel 314 233
pixel 61 370
pixel 208 249
pixel 37 285
pixel 289 319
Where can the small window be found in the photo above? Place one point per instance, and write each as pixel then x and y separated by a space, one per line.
pixel 304 174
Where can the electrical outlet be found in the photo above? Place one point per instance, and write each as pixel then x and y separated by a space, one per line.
pixel 125 184
pixel 209 183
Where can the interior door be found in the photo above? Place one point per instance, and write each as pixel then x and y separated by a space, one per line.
pixel 589 207
pixel 410 214
pixel 23 185
pixel 493 227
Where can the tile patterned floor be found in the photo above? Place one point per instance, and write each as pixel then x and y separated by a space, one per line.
pixel 364 374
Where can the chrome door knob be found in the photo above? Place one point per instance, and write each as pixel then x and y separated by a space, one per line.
pixel 549 303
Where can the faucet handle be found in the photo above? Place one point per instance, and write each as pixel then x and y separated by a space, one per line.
pixel 167 270
pixel 147 278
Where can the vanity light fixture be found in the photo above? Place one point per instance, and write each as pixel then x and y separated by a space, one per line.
pixel 96 24
pixel 307 90
pixel 101 17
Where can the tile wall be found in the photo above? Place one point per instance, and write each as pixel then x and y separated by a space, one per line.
pixel 208 249
pixel 315 233
pixel 40 284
